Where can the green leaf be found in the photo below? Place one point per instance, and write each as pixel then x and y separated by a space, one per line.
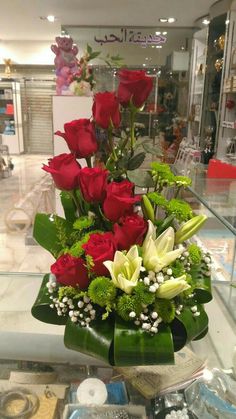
pixel 68 206
pixel 136 161
pixel 94 55
pixel 95 341
pixel 156 151
pixel 141 178
pixel 89 49
pixel 41 309
pixel 186 327
pixel 46 232
pixel 133 346
pixel 167 222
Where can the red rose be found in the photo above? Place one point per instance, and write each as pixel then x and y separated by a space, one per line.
pixel 80 137
pixel 71 271
pixel 134 86
pixel 129 231
pixel 119 200
pixel 106 110
pixel 100 247
pixel 93 183
pixel 64 170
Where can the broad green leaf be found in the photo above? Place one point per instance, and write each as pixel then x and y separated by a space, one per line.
pixel 136 161
pixel 95 341
pixel 94 55
pixel 133 346
pixel 156 151
pixel 68 206
pixel 41 309
pixel 140 178
pixel 47 234
pixel 185 327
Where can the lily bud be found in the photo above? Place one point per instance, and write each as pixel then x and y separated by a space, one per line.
pixel 188 229
pixel 147 208
pixel 172 287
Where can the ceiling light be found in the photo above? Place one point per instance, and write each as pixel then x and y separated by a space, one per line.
pixel 182 48
pixel 159 46
pixel 171 19
pixel 158 33
pixel 205 21
pixel 163 19
pixel 227 22
pixel 153 46
pixel 164 33
pixel 144 65
pixel 51 18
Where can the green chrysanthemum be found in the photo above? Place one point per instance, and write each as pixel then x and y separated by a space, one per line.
pixel 126 304
pixel 143 294
pixel 181 209
pixel 160 168
pixel 83 223
pixel 102 291
pixel 157 199
pixel 165 309
pixel 195 254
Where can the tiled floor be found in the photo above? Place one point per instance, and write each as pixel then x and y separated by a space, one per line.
pixel 17 256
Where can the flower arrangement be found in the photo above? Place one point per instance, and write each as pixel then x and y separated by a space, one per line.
pixel 127 282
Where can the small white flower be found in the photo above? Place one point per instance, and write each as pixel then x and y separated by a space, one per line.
pixel 146 281
pixel 146 326
pixel 132 314
pixel 152 288
pixel 154 329
pixel 142 269
pixel 207 260
pixel 86 299
pixel 80 304
pixel 169 271
pixel 52 305
pixel 194 309
pixel 137 322
pixel 64 300
pixel 154 315
pixel 62 305
pixel 74 319
pixel 196 314
pixel 71 313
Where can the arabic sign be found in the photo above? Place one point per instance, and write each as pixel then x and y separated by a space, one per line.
pixel 131 37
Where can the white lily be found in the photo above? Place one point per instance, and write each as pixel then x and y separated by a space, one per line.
pixel 125 269
pixel 158 252
pixel 172 287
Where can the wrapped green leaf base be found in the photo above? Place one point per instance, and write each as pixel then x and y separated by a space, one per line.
pixel 121 343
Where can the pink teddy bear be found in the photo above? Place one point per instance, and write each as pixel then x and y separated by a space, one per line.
pixel 66 53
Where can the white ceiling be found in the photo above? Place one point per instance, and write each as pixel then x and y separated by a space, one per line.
pixel 20 19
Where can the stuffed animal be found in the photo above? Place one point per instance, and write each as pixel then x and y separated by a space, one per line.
pixel 65 52
pixel 63 80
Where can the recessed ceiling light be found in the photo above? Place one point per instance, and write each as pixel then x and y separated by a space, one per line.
pixel 171 19
pixel 159 46
pixel 164 33
pixel 153 46
pixel 51 18
pixel 205 21
pixel 163 19
pixel 158 33
pixel 182 48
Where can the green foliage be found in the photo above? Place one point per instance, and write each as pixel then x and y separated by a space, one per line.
pixel 181 209
pixel 68 292
pixel 157 199
pixel 126 304
pixel 195 254
pixel 76 249
pixel 160 168
pixel 143 294
pixel 178 268
pixel 182 181
pixel 89 263
pixel 165 309
pixel 102 291
pixel 83 223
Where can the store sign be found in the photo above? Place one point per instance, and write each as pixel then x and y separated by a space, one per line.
pixel 130 36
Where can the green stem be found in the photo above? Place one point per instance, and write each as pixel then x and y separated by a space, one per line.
pixel 111 144
pixel 132 136
pixel 76 202
pixel 88 161
pixel 177 192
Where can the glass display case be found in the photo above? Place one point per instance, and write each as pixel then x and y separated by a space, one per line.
pixel 213 84
pixel 10 116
